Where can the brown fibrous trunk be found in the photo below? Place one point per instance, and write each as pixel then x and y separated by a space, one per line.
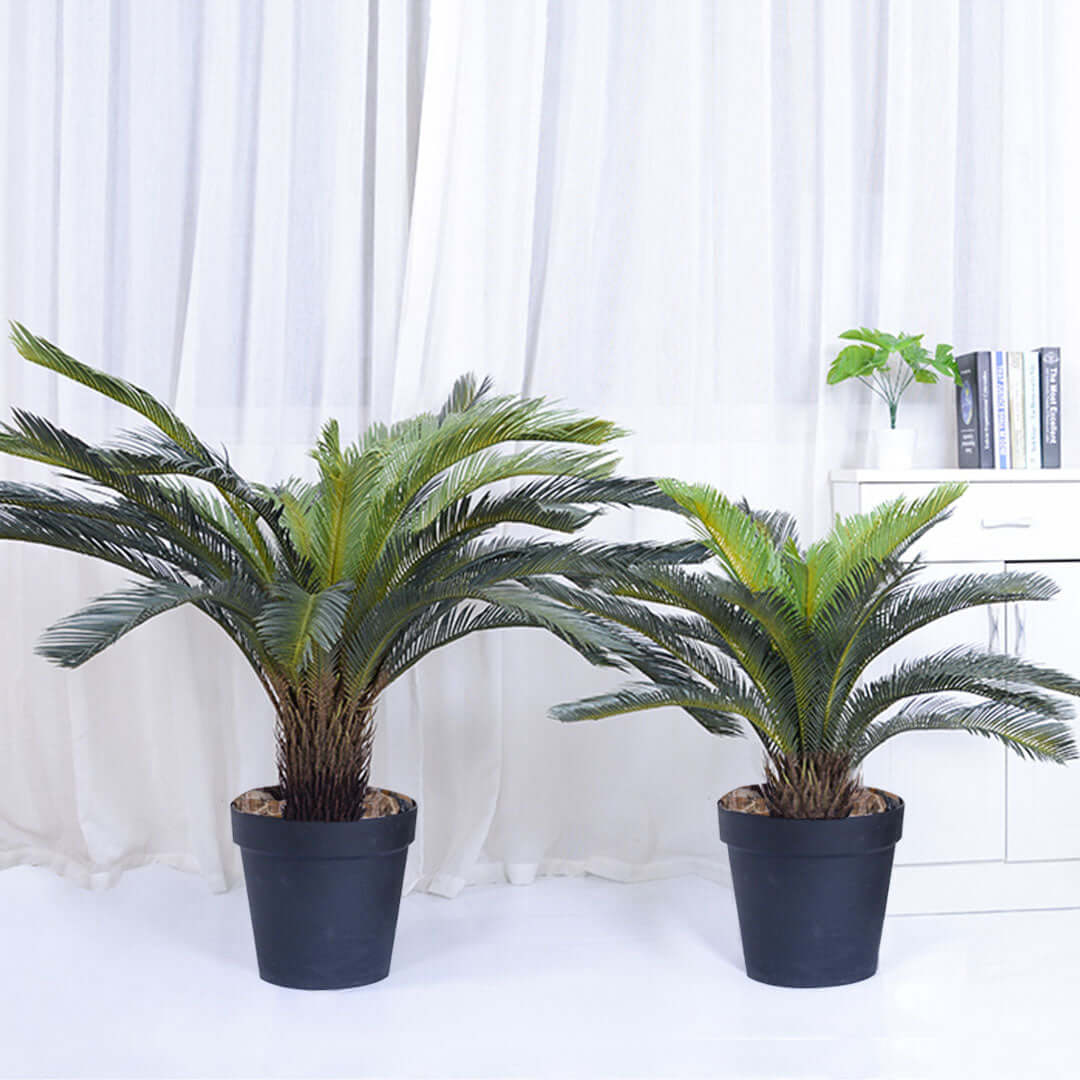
pixel 323 753
pixel 820 785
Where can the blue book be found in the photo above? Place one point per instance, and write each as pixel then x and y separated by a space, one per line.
pixel 999 389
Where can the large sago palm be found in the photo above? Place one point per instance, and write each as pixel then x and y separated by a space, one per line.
pixel 332 588
pixel 778 639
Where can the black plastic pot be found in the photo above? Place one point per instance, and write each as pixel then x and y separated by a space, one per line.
pixel 811 894
pixel 324 896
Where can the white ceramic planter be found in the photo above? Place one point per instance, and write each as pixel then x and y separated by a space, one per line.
pixel 892 448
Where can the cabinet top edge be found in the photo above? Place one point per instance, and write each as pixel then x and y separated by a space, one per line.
pixel 944 476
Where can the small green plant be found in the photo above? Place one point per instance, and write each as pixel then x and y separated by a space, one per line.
pixel 872 363
pixel 778 638
pixel 333 588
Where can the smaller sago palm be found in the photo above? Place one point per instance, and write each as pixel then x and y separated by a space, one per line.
pixel 779 637
pixel 335 587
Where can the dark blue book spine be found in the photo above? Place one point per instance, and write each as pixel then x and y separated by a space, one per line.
pixel 1050 399
pixel 986 411
pixel 967 413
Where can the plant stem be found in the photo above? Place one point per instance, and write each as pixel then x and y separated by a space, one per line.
pixel 873 387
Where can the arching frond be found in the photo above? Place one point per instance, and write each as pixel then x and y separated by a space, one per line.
pixel 720 710
pixel 79 637
pixel 43 353
pixel 464 394
pixel 295 622
pixel 742 543
pixel 860 542
pixel 961 670
pixel 1017 728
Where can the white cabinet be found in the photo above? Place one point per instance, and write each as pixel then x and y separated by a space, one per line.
pixel 1044 800
pixel 983 829
pixel 953 784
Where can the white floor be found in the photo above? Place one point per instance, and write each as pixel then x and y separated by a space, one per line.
pixel 573 977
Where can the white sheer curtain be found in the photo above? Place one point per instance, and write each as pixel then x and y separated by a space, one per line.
pixel 663 212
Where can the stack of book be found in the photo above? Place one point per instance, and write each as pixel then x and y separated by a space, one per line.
pixel 1008 409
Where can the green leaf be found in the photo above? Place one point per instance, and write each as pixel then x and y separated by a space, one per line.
pixel 877 338
pixel 854 361
pixel 945 363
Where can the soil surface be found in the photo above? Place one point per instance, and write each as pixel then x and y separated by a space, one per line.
pixel 749 800
pixel 265 802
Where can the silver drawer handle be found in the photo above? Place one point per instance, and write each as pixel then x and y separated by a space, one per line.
pixel 1006 523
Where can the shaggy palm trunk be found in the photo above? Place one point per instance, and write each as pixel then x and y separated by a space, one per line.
pixel 817 785
pixel 324 755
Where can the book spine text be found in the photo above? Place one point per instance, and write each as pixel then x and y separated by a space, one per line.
pixel 1017 442
pixel 1000 395
pixel 967 413
pixel 1050 400
pixel 1032 411
pixel 985 411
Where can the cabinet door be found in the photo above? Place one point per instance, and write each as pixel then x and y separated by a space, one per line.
pixel 1044 800
pixel 953 784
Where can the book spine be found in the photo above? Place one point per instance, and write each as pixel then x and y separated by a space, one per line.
pixel 1050 398
pixel 1032 411
pixel 967 413
pixel 985 411
pixel 1000 398
pixel 1017 442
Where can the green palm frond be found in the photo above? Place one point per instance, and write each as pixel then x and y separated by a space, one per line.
pixel 465 393
pixel 444 624
pixel 1023 732
pixel 742 543
pixel 755 629
pixel 80 636
pixel 961 670
pixel 720 710
pixel 295 622
pixel 43 353
pixel 859 543
pixel 482 469
pixel 297 499
pixel 781 527
pixel 139 552
pixel 910 605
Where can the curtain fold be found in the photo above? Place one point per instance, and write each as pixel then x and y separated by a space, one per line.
pixel 272 213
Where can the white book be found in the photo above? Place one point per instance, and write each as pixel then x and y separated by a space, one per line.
pixel 1032 410
pixel 1017 442
pixel 999 399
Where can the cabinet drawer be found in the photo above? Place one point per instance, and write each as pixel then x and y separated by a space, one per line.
pixel 996 521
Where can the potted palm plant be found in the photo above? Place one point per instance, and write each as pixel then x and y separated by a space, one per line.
pixel 331 589
pixel 778 638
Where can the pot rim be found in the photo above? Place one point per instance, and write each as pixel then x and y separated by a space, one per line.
pixel 325 839
pixel 813 836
